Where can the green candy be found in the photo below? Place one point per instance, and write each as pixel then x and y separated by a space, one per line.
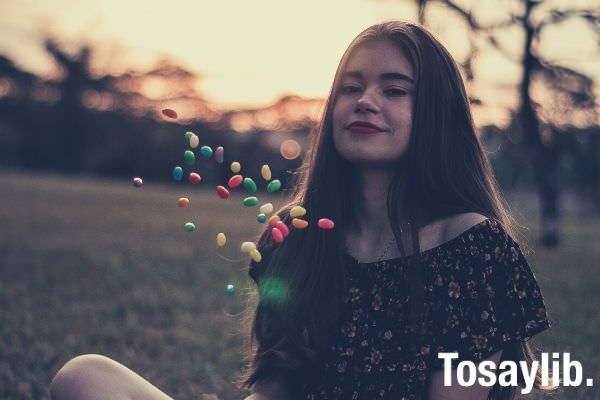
pixel 230 290
pixel 188 135
pixel 262 218
pixel 189 227
pixel 274 186
pixel 189 157
pixel 250 201
pixel 206 151
pixel 177 173
pixel 249 185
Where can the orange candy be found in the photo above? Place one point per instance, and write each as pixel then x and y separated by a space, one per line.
pixel 290 149
pixel 183 202
pixel 274 220
pixel 299 223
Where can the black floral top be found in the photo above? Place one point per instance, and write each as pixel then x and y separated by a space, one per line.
pixel 480 293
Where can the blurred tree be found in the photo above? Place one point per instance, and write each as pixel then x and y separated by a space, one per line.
pixel 575 90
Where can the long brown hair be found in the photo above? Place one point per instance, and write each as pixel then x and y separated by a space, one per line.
pixel 443 172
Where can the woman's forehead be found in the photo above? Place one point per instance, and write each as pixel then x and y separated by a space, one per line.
pixel 381 59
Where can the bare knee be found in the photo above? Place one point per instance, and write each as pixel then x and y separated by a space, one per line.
pixel 89 377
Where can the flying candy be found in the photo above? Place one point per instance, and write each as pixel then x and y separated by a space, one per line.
pixel 222 192
pixel 262 218
pixel 290 149
pixel 325 223
pixel 274 186
pixel 283 228
pixel 194 141
pixel 299 223
pixel 274 219
pixel 230 290
pixel 265 172
pixel 235 167
pixel 249 185
pixel 256 256
pixel 206 151
pixel 167 112
pixel 219 154
pixel 183 202
pixel 266 208
pixel 235 181
pixel 178 173
pixel 247 247
pixel 194 178
pixel 189 157
pixel 189 227
pixel 137 182
pixel 277 235
pixel 250 201
pixel 221 239
pixel 188 135
pixel 297 211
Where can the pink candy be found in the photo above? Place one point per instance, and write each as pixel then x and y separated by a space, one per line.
pixel 235 181
pixel 325 223
pixel 194 178
pixel 277 235
pixel 222 192
pixel 283 228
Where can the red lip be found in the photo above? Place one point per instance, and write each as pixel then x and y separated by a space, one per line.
pixel 363 127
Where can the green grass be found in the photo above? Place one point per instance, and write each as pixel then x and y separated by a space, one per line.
pixel 97 266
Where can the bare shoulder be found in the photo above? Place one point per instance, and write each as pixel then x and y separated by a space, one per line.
pixel 457 224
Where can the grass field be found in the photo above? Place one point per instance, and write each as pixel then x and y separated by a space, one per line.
pixel 96 266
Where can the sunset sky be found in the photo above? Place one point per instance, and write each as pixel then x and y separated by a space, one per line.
pixel 249 53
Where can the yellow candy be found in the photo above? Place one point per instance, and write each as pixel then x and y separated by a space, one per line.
pixel 265 171
pixel 221 239
pixel 297 211
pixel 247 247
pixel 266 208
pixel 236 167
pixel 256 256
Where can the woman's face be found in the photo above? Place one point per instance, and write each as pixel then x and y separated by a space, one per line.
pixel 373 112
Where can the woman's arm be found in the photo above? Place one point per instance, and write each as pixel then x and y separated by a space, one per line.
pixel 271 390
pixel 437 390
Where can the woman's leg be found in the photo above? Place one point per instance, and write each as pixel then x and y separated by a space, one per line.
pixel 96 377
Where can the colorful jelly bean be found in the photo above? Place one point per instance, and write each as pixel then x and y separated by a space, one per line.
pixel 297 211
pixel 206 151
pixel 283 228
pixel 194 141
pixel 167 112
pixel 194 178
pixel 265 172
pixel 221 239
pixel 188 135
pixel 290 149
pixel 236 167
pixel 250 201
pixel 219 154
pixel 256 256
pixel 247 247
pixel 325 223
pixel 190 227
pixel 249 185
pixel 183 202
pixel 274 186
pixel 262 218
pixel 137 182
pixel 277 235
pixel 189 157
pixel 178 173
pixel 230 290
pixel 299 223
pixel 235 181
pixel 266 208
pixel 222 192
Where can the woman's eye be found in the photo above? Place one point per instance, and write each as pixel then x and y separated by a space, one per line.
pixel 395 92
pixel 350 89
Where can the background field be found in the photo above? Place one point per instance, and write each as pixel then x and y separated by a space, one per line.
pixel 96 266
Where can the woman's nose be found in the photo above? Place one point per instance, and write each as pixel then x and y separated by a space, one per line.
pixel 366 103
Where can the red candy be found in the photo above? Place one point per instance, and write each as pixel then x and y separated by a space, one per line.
pixel 222 192
pixel 194 178
pixel 277 235
pixel 283 228
pixel 235 181
pixel 167 112
pixel 325 223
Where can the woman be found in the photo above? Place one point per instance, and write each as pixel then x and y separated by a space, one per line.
pixel 420 261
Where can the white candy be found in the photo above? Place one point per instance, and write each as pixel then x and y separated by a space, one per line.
pixel 266 208
pixel 247 247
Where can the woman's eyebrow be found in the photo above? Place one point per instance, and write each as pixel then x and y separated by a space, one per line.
pixel 386 76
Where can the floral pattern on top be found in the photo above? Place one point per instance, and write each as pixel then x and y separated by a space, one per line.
pixel 479 294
